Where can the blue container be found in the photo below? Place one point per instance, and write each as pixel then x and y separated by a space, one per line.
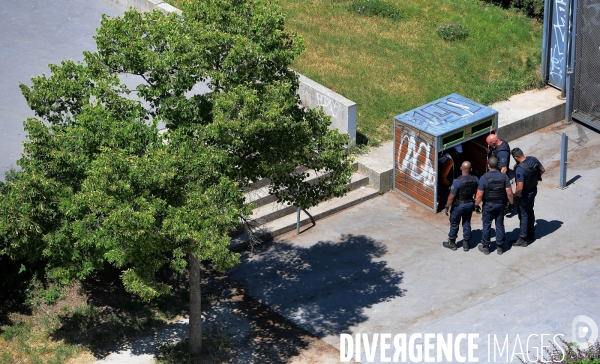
pixel 425 137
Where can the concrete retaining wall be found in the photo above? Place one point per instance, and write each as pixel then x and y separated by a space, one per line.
pixel 527 112
pixel 341 110
pixel 149 5
pixel 532 123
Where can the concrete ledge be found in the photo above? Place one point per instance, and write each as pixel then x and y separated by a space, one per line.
pixel 532 123
pixel 527 112
pixel 341 110
pixel 377 165
pixel 167 9
pixel 267 232
pixel 149 5
pixel 141 5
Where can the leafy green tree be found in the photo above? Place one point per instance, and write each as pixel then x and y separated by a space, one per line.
pixel 99 184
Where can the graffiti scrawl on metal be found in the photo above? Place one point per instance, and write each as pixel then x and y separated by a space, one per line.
pixel 445 114
pixel 557 43
pixel 407 159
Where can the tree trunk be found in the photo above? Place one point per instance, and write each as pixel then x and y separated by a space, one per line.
pixel 195 325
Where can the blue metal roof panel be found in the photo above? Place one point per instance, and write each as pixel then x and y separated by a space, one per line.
pixel 444 115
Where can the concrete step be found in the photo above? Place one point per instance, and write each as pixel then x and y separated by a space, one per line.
pixel 287 223
pixel 261 183
pixel 260 196
pixel 258 192
pixel 274 210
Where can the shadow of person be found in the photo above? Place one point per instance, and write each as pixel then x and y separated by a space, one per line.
pixel 475 238
pixel 323 288
pixel 510 238
pixel 544 227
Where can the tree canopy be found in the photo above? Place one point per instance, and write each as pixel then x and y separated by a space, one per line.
pixel 99 184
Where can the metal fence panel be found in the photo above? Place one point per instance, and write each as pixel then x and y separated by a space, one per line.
pixel 586 100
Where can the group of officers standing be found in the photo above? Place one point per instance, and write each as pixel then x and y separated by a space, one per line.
pixel 494 190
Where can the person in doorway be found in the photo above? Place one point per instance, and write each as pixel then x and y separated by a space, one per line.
pixel 528 171
pixel 446 163
pixel 494 190
pixel 460 203
pixel 501 150
pixel 446 173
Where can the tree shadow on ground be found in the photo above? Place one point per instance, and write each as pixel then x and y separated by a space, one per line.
pixel 13 287
pixel 324 288
pixel 270 337
pixel 109 318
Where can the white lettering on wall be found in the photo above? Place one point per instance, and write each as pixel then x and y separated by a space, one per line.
pixel 330 106
pixel 409 160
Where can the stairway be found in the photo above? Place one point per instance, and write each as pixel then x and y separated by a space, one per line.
pixel 270 218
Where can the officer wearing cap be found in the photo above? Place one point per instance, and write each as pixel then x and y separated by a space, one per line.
pixel 501 150
pixel 461 201
pixel 494 190
pixel 528 171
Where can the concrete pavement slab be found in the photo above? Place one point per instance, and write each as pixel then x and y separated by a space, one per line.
pixel 32 35
pixel 528 311
pixel 577 283
pixel 380 267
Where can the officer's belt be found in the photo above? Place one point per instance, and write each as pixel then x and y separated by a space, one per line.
pixel 499 202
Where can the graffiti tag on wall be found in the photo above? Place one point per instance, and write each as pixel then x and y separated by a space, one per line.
pixel 330 106
pixel 408 160
pixel 558 42
pixel 439 115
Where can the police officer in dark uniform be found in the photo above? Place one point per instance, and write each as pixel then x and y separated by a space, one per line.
pixel 461 199
pixel 495 190
pixel 501 150
pixel 528 171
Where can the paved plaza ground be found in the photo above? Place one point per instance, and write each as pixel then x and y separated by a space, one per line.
pixel 380 267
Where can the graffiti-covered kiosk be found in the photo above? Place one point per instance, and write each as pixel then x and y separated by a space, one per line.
pixel 424 139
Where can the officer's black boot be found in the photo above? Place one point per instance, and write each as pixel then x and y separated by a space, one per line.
pixel 450 244
pixel 520 242
pixel 500 249
pixel 485 249
pixel 466 246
